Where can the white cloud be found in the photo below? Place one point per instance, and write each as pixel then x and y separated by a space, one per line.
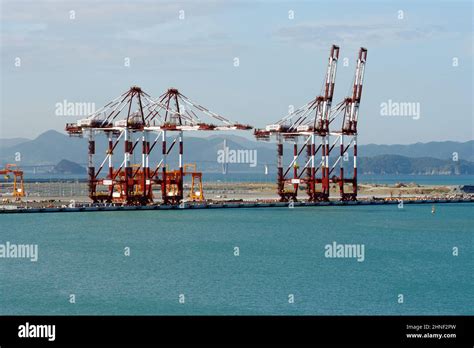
pixel 355 34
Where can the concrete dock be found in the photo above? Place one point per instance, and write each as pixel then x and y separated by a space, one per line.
pixel 222 205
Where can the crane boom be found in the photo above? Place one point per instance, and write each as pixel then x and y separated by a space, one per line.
pixel 351 111
pixel 322 115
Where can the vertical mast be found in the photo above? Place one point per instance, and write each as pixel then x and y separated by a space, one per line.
pixel 323 131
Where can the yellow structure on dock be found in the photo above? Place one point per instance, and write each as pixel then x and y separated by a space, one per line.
pixel 18 185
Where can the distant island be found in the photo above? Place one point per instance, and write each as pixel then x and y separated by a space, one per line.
pixel 68 167
pixel 395 164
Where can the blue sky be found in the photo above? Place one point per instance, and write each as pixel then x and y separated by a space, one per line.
pixel 282 60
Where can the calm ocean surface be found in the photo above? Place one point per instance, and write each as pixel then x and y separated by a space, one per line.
pixel 407 251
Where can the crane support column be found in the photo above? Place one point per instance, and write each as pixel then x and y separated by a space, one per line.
pixel 127 187
pixel 146 170
pixel 181 172
pixel 295 170
pixel 341 166
pixel 354 179
pixel 163 179
pixel 91 168
pixel 111 167
pixel 280 182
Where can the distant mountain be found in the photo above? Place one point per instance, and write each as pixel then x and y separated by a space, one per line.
pixel 441 150
pixel 48 148
pixel 52 147
pixel 4 143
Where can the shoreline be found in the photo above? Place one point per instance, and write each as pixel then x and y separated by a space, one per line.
pixel 229 204
pixel 60 196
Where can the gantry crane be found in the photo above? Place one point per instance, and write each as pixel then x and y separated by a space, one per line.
pixel 18 184
pixel 311 123
pixel 136 117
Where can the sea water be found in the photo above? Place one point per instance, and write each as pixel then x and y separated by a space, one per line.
pixel 242 261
